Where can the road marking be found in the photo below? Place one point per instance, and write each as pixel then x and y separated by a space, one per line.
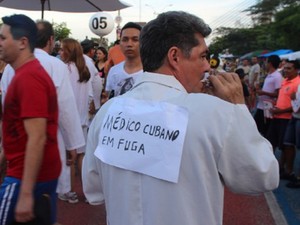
pixel 275 209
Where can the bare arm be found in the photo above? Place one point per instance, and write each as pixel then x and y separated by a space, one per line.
pixel 276 110
pixel 2 165
pixel 271 94
pixel 36 131
pixel 108 64
pixel 254 79
pixel 71 156
pixel 2 158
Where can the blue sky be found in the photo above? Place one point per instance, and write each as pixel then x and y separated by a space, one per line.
pixel 211 11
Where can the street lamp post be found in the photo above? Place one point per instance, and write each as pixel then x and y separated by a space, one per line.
pixel 118 21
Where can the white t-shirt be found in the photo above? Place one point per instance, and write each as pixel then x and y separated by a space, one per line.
pixel 83 93
pixel 97 84
pixel 272 82
pixel 253 70
pixel 119 81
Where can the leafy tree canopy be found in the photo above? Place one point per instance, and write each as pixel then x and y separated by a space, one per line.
pixel 276 25
pixel 61 31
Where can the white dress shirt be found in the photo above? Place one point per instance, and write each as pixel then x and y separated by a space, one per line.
pixel 222 147
pixel 83 93
pixel 97 84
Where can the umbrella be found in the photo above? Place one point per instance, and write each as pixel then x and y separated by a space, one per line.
pixel 226 56
pixel 65 5
pixel 254 53
pixel 291 56
pixel 277 52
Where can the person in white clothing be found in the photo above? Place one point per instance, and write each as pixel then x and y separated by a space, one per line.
pixel 71 53
pixel 254 82
pixel 70 136
pixel 88 48
pixel 120 79
pixel 245 66
pixel 122 76
pixel 164 150
pixel 268 94
pixel 254 73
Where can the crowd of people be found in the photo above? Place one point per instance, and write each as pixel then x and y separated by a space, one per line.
pixel 272 96
pixel 78 71
pixel 147 136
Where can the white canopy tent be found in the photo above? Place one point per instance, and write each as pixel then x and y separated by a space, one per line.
pixel 291 56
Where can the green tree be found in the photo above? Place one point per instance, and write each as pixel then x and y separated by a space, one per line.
pixel 238 40
pixel 61 31
pixel 263 12
pixel 102 41
pixel 280 30
pixel 286 28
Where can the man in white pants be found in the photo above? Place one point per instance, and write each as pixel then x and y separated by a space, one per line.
pixel 165 149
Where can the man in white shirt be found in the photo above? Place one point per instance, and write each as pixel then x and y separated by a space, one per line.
pixel 254 73
pixel 120 79
pixel 268 94
pixel 88 47
pixel 165 150
pixel 122 76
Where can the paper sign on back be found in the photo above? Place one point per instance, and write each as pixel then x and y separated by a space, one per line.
pixel 143 136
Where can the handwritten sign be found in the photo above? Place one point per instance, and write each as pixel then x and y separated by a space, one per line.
pixel 143 136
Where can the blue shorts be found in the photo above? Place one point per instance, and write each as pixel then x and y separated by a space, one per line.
pixel 292 133
pixel 9 192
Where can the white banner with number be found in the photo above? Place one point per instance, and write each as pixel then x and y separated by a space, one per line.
pixel 143 136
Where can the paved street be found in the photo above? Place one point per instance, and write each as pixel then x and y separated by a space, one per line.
pixel 239 210
pixel 289 199
pixel 281 207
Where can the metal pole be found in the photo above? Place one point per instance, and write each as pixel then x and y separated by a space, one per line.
pixel 140 16
pixel 43 8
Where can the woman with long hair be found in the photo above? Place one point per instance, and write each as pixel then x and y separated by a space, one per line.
pixel 71 53
pixel 101 58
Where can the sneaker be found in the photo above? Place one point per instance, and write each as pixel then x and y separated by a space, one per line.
pixel 293 184
pixel 70 197
pixel 286 176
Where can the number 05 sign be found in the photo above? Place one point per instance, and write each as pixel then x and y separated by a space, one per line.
pixel 101 23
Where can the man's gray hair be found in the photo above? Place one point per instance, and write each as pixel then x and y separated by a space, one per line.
pixel 174 28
